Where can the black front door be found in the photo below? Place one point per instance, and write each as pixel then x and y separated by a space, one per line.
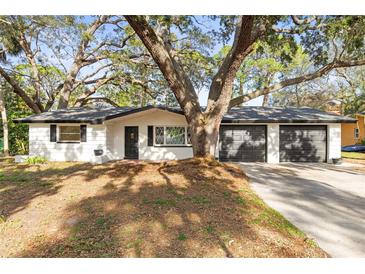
pixel 131 143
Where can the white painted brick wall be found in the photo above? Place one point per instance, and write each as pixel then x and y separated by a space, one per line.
pixel 334 142
pixel 40 145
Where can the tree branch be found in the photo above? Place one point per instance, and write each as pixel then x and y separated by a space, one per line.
pixel 242 46
pixel 20 92
pixel 35 72
pixel 79 61
pixel 109 101
pixel 174 74
pixel 92 90
pixel 297 80
pixel 305 21
pixel 91 75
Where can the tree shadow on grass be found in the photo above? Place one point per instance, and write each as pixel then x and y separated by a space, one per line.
pixel 174 209
pixel 20 184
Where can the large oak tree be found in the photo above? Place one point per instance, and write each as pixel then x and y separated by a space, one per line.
pixel 332 42
pixel 60 61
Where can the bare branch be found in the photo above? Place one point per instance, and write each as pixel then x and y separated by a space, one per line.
pixel 87 77
pixel 297 80
pixel 80 61
pixel 19 91
pixel 305 21
pixel 92 90
pixel 88 62
pixel 105 99
pixel 30 55
pixel 301 25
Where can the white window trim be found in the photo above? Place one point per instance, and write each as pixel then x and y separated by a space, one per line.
pixel 357 133
pixel 59 133
pixel 164 137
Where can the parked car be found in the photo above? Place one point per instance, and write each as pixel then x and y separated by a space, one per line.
pixel 354 148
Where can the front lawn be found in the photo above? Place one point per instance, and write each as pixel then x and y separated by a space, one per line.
pixel 189 208
pixel 353 155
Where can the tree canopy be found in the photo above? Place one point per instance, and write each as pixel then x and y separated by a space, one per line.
pixel 55 62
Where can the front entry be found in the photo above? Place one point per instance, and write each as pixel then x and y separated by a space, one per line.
pixel 131 143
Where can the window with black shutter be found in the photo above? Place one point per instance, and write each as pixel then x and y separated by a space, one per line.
pixel 150 136
pixel 53 133
pixel 83 133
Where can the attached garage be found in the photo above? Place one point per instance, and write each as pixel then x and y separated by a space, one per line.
pixel 303 143
pixel 242 143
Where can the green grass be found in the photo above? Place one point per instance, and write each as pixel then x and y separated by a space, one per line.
pixel 2 218
pixel 353 155
pixel 16 177
pixel 209 229
pixel 240 200
pixel 274 219
pixel 182 237
pixel 200 200
pixel 164 202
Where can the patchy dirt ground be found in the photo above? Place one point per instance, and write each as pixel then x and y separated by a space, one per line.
pixel 188 208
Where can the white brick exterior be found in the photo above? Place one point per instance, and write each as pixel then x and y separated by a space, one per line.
pixel 333 142
pixel 39 144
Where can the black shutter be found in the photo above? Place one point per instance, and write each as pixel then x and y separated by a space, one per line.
pixel 53 133
pixel 83 133
pixel 150 136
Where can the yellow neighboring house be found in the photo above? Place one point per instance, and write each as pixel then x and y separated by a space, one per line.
pixel 353 133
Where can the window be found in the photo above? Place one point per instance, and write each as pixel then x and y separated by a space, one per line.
pixel 159 135
pixel 69 134
pixel 175 135
pixel 172 135
pixel 357 133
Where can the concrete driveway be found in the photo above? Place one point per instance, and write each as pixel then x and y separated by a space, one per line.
pixel 325 201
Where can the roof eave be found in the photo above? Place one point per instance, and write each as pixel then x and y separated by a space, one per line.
pixel 133 111
pixel 271 121
pixel 97 121
pixel 59 121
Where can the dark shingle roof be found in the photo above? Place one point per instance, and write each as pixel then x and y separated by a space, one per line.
pixel 246 114
pixel 283 115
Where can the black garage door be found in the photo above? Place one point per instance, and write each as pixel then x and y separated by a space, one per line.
pixel 242 143
pixel 303 143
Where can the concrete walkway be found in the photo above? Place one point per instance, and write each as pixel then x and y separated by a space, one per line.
pixel 325 201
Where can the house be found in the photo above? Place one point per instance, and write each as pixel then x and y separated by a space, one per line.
pixel 353 133
pixel 247 134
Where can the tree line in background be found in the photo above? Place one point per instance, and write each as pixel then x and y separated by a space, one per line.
pixel 57 62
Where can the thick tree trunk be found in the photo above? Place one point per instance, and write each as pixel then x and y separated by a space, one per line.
pixel 204 124
pixel 67 87
pixel 5 123
pixel 204 138
pixel 205 131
